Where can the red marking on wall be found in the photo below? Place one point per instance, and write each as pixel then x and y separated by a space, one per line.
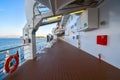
pixel 102 39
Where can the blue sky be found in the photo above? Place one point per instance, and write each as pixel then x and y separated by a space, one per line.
pixel 12 18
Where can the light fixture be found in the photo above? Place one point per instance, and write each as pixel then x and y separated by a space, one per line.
pixel 54 18
pixel 80 11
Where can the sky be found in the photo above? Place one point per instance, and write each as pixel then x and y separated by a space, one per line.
pixel 13 19
pixel 44 30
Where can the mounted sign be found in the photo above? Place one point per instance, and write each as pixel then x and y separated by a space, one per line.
pixel 102 39
pixel 33 32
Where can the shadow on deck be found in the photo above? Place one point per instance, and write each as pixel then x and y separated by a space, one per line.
pixel 65 62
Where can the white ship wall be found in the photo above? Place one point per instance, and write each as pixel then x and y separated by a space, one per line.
pixel 109 13
pixel 70 31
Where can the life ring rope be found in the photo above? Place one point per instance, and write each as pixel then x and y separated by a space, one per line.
pixel 7 66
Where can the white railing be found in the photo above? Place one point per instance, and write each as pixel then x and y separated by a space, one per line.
pixel 10 51
pixel 23 50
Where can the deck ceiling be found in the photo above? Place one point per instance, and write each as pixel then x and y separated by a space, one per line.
pixel 67 6
pixel 64 7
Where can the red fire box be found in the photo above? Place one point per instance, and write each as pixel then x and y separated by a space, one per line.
pixel 102 39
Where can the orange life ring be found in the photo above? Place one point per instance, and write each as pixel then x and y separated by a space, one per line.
pixel 8 62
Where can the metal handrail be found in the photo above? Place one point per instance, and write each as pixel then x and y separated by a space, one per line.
pixel 6 51
pixel 14 47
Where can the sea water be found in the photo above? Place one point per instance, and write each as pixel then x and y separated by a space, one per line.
pixel 6 43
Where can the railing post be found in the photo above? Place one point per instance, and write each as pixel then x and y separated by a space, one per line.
pixel 19 50
pixel 33 37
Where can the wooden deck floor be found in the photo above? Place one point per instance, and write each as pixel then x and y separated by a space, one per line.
pixel 65 62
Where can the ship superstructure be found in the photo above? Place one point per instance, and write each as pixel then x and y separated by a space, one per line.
pixel 85 44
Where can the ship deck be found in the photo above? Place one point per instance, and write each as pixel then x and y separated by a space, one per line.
pixel 65 62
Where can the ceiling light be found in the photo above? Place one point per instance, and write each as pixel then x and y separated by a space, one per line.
pixel 80 11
